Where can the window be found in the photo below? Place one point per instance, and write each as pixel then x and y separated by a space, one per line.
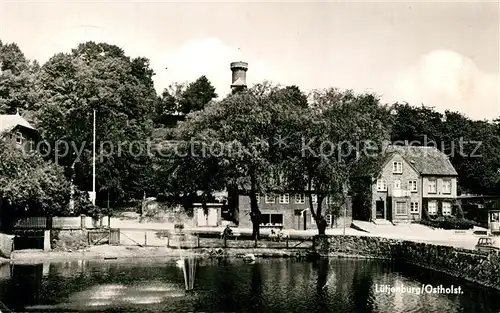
pixel 31 145
pixel 330 200
pixel 401 208
pixel 265 219
pixel 329 219
pixel 284 198
pixel 446 208
pixel 276 219
pixel 19 138
pixel 397 167
pixel 432 208
pixel 271 219
pixel 397 184
pixel 414 207
pixel 300 199
pixel 257 195
pixel 270 199
pixel 314 199
pixel 381 185
pixel 446 186
pixel 432 186
pixel 412 185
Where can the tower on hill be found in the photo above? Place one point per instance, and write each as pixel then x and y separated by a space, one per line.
pixel 239 81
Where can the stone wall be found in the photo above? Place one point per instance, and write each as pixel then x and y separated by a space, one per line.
pixel 479 267
pixel 6 242
pixel 355 246
pixel 69 240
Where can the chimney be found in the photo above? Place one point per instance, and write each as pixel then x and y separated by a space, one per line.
pixel 239 80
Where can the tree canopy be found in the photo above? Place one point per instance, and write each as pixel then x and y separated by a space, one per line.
pixel 253 139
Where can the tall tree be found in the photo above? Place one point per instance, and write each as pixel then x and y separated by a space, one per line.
pixel 338 135
pixel 472 146
pixel 183 98
pixel 29 185
pixel 197 95
pixel 99 76
pixel 233 134
pixel 18 88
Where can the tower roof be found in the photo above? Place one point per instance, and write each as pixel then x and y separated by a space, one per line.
pixel 239 65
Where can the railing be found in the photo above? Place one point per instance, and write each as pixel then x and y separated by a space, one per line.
pixel 170 239
pixel 30 223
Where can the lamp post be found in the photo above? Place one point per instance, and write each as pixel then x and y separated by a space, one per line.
pixel 345 188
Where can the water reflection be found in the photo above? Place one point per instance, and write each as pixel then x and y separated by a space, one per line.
pixel 231 285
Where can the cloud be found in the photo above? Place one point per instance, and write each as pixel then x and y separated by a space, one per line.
pixel 204 56
pixel 447 80
pixel 209 57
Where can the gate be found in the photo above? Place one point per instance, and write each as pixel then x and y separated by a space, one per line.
pixel 99 237
pixel 137 237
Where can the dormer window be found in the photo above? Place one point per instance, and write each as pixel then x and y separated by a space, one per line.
pixel 397 167
pixel 19 138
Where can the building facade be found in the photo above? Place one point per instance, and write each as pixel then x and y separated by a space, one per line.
pixel 291 211
pixel 413 180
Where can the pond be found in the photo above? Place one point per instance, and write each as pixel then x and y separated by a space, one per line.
pixel 230 285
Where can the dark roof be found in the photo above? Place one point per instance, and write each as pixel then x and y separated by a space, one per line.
pixel 425 160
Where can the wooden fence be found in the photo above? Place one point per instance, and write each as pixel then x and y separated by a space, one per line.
pixel 79 222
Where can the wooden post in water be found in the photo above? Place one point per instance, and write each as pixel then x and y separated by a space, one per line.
pixel 145 238
pixel 189 269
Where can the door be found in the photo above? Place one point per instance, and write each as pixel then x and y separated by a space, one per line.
pixel 297 220
pixel 201 218
pixel 380 209
pixel 212 217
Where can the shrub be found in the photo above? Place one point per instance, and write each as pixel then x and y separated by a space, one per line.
pixel 425 215
pixel 449 222
pixel 460 212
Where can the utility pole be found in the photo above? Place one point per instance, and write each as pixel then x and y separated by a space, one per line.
pixel 93 164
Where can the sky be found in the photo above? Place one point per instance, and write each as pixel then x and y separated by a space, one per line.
pixel 441 54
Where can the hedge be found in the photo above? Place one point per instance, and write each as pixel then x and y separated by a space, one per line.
pixel 449 222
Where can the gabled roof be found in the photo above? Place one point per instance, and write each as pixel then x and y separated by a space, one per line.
pixel 425 160
pixel 9 122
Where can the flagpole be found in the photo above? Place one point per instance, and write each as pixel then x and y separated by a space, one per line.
pixel 93 165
